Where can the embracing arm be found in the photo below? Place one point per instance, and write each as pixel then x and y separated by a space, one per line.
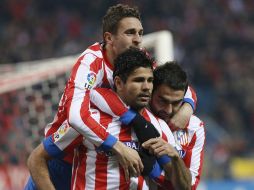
pixel 182 117
pixel 37 164
pixel 175 171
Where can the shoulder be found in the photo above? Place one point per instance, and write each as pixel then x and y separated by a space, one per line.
pixel 92 53
pixel 196 126
pixel 195 123
pixel 160 124
pixel 153 119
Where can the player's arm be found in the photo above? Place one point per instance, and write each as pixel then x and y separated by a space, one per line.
pixel 175 170
pixel 53 146
pixel 182 117
pixel 80 116
pixel 37 164
pixel 86 74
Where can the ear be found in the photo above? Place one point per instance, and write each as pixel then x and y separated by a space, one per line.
pixel 107 37
pixel 118 83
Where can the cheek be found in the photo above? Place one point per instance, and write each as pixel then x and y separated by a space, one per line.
pixel 156 106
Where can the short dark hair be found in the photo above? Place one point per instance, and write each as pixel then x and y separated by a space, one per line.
pixel 115 14
pixel 172 75
pixel 130 60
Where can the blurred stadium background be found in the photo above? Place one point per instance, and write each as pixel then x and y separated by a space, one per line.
pixel 213 40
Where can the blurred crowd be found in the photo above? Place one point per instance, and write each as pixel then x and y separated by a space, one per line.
pixel 213 40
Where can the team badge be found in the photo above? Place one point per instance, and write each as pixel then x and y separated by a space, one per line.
pixel 91 78
pixel 182 137
pixel 60 132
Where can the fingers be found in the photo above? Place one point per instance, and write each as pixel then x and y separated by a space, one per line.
pixel 136 168
pixel 134 171
pixel 126 173
pixel 149 142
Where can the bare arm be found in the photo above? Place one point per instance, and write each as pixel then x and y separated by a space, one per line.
pixel 129 160
pixel 182 117
pixel 176 171
pixel 37 164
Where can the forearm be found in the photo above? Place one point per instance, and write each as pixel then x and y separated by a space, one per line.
pixel 85 122
pixel 38 168
pixel 178 174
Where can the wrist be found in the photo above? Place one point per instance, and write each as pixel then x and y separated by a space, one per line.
pixel 175 157
pixel 117 147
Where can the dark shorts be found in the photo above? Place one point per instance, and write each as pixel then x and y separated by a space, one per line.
pixel 60 173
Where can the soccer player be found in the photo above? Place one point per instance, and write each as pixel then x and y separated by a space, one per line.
pixel 170 84
pixel 93 167
pixel 122 29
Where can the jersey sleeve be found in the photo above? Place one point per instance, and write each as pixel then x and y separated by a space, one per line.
pixel 108 101
pixel 191 97
pixel 64 139
pixel 86 74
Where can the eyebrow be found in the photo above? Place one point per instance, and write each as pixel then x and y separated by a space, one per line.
pixel 133 30
pixel 170 102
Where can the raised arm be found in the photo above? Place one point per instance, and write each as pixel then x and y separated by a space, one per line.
pixel 182 117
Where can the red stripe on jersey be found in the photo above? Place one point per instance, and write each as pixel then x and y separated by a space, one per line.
pixel 145 115
pixel 101 172
pixel 187 158
pixel 125 133
pixel 89 121
pixel 79 169
pixel 95 47
pixel 113 100
pixel 140 182
pixel 95 66
pixel 194 96
pixel 123 183
pixel 164 137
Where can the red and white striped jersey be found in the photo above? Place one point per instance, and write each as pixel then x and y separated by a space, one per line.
pixel 192 140
pixel 91 70
pixel 93 169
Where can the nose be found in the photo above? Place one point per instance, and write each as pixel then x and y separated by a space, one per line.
pixel 137 39
pixel 147 86
pixel 168 109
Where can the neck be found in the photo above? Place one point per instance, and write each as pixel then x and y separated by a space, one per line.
pixel 110 55
pixel 139 110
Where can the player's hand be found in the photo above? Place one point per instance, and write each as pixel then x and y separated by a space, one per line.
pixel 181 118
pixel 129 160
pixel 160 147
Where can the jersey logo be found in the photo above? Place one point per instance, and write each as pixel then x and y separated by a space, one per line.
pixel 132 144
pixel 91 78
pixel 182 137
pixel 60 132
